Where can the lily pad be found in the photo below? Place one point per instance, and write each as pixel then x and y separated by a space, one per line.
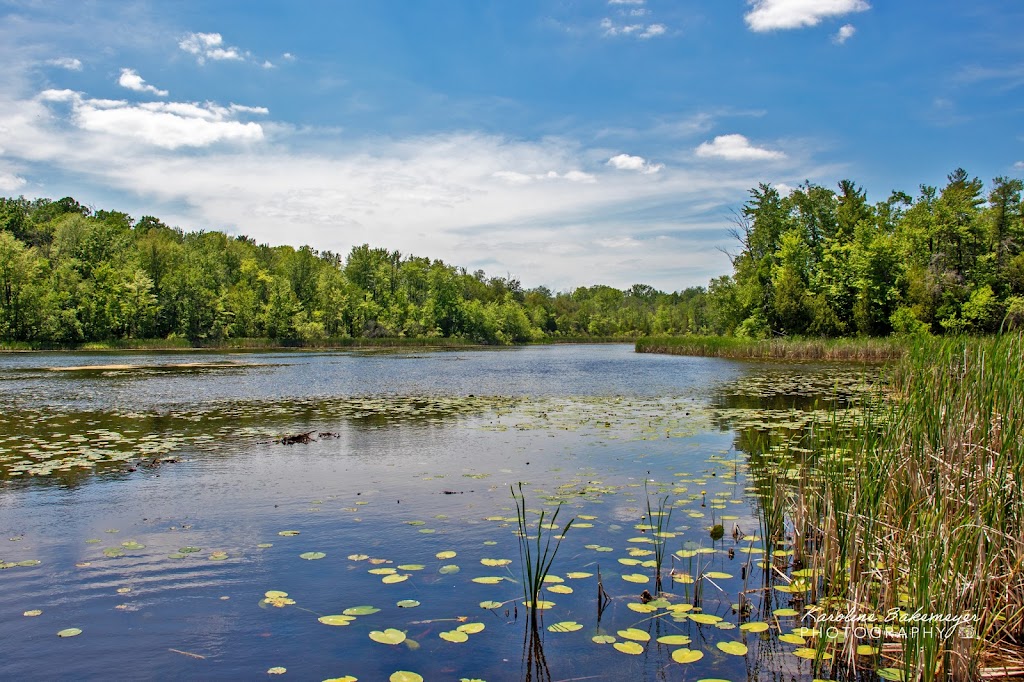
pixel 754 627
pixel 336 620
pixel 471 628
pixel 69 632
pixel 734 648
pixel 636 578
pixel 32 613
pixel 361 611
pixel 565 626
pixel 631 648
pixel 449 569
pixel 491 604
pixel 312 556
pixel 602 639
pixel 389 636
pixel 288 533
pixel 687 655
pixel 446 554
pixel 635 634
pixel 704 618
pixel 405 676
pixel 407 604
pixel 454 636
pixel 674 640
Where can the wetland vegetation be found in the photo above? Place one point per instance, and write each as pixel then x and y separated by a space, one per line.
pixel 731 501
pixel 815 262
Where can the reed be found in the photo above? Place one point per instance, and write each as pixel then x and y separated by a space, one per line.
pixel 918 517
pixel 536 553
pixel 854 349
pixel 659 520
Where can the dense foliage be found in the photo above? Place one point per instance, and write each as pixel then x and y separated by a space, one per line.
pixel 70 274
pixel 815 262
pixel 825 263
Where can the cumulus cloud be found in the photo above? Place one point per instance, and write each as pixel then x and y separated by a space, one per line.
pixel 844 33
pixel 634 163
pixel 736 147
pixel 770 15
pixel 133 81
pixel 69 63
pixel 169 125
pixel 1019 165
pixel 641 31
pixel 205 46
pixel 9 182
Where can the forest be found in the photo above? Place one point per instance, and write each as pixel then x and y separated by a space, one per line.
pixel 813 262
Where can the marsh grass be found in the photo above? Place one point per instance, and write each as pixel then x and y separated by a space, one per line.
pixel 659 519
pixel 917 517
pixel 858 349
pixel 536 553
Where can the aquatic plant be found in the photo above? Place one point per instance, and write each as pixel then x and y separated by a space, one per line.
pixel 659 520
pixel 536 552
pixel 861 349
pixel 915 517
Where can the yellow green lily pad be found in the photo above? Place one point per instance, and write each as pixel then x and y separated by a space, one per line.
pixel 389 636
pixel 687 655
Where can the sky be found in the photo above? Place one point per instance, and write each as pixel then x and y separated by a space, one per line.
pixel 565 143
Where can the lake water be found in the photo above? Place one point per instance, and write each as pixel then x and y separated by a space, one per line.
pixel 143 501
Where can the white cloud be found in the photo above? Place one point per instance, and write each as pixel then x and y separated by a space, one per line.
pixel 770 15
pixel 168 125
pixel 618 242
pixel 517 178
pixel 205 46
pixel 69 63
pixel 9 182
pixel 626 2
pixel 844 33
pixel 133 81
pixel 634 163
pixel 288 56
pixel 549 210
pixel 641 31
pixel 736 148
pixel 1019 165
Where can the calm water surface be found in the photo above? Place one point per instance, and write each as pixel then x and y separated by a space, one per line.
pixel 107 475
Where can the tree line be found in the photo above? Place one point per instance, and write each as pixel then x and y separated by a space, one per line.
pixel 815 261
pixel 70 274
pixel 829 263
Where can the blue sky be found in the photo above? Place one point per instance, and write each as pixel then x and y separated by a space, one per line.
pixel 565 143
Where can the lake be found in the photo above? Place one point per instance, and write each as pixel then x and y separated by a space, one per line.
pixel 147 500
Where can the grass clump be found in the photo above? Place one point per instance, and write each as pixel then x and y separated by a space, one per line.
pixel 916 520
pixel 858 349
pixel 536 553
